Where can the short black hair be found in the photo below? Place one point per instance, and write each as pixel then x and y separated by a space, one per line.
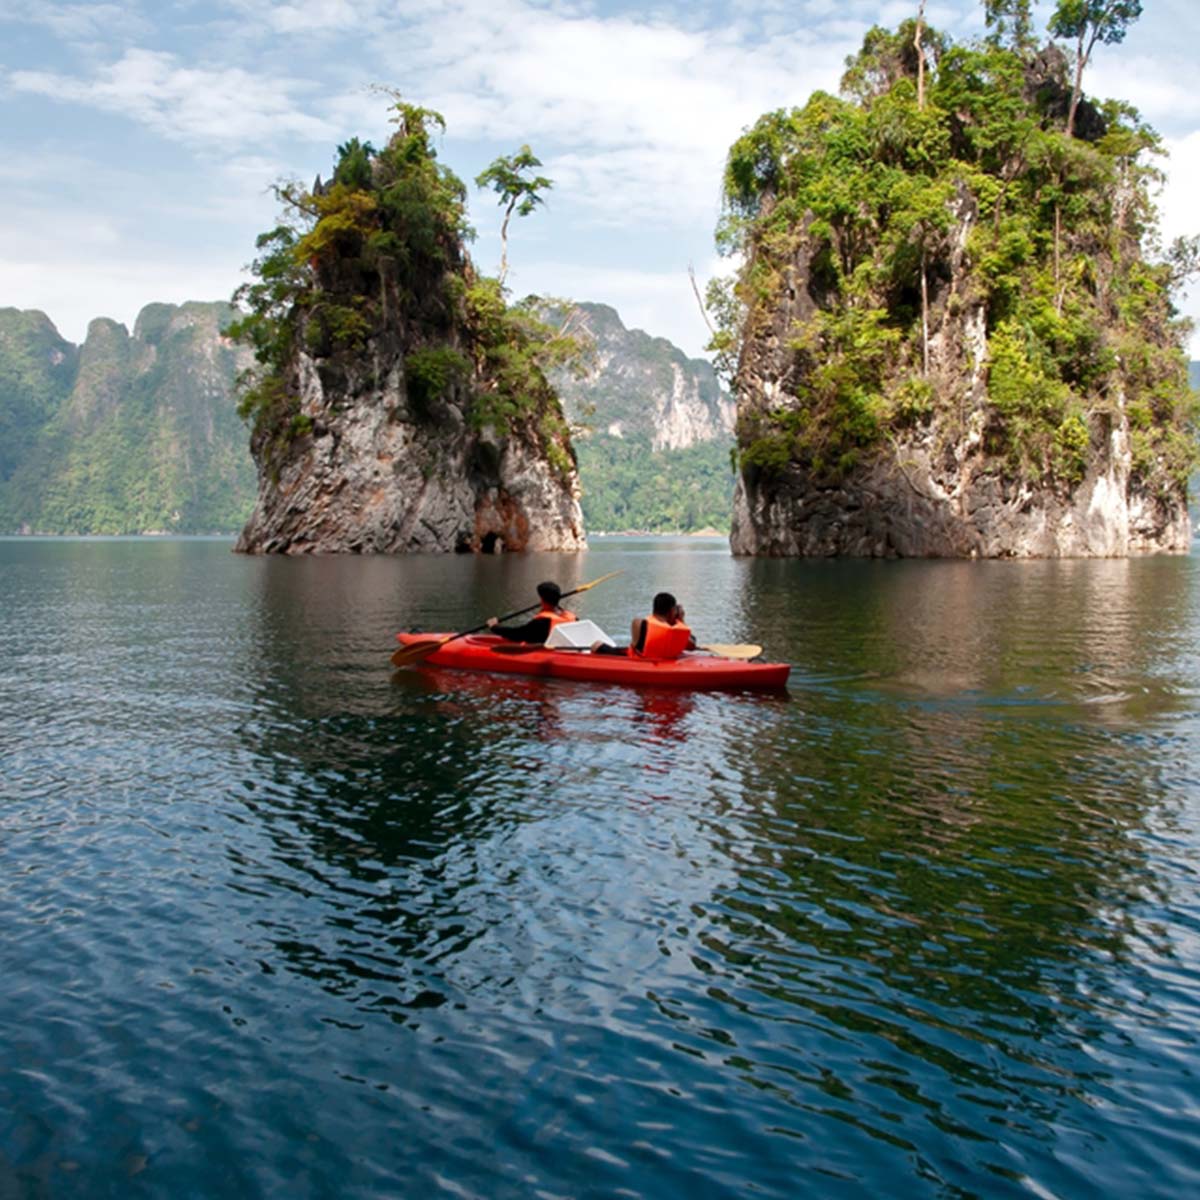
pixel 664 604
pixel 549 591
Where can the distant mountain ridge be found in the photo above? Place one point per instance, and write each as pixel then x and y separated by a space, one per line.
pixel 128 433
pixel 653 430
pixel 138 432
pixel 640 384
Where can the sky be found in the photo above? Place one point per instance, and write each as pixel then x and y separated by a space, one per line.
pixel 139 141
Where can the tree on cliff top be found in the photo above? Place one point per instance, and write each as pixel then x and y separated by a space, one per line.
pixel 508 176
pixel 377 256
pixel 1011 17
pixel 1088 22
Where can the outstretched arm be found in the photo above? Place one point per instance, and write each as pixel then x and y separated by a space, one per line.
pixel 535 631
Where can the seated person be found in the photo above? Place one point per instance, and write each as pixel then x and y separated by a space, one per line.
pixel 662 635
pixel 537 629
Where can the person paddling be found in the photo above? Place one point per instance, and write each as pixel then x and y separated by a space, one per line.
pixel 537 629
pixel 661 636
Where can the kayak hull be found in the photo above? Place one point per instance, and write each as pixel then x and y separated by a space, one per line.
pixel 696 672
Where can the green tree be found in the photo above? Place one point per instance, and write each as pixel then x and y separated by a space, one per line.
pixel 354 164
pixel 519 191
pixel 1011 17
pixel 1088 22
pixel 1183 260
pixel 887 57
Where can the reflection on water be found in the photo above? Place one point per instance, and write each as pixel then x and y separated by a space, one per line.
pixel 282 920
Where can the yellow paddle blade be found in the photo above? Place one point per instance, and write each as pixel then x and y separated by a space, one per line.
pixel 406 656
pixel 584 586
pixel 736 650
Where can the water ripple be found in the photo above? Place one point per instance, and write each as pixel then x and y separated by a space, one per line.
pixel 277 920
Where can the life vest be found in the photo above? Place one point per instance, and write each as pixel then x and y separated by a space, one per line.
pixel 663 640
pixel 556 616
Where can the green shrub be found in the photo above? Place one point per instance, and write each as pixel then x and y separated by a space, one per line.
pixel 430 373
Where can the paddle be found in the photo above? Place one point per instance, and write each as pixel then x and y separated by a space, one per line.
pixel 735 651
pixel 406 656
pixel 723 651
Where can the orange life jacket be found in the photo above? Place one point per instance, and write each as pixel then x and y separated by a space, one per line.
pixel 663 640
pixel 556 616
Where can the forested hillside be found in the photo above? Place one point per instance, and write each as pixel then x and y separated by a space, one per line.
pixel 654 430
pixel 126 433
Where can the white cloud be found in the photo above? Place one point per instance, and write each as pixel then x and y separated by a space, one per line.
pixel 632 117
pixel 191 104
pixel 320 15
pixel 1164 97
pixel 1180 215
pixel 303 17
pixel 116 286
pixel 78 23
pixel 128 245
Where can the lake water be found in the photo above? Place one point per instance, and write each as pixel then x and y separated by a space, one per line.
pixel 277 921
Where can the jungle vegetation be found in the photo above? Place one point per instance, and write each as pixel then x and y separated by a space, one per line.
pixel 378 252
pixel 948 177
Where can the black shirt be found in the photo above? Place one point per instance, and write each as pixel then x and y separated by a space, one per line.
pixel 535 631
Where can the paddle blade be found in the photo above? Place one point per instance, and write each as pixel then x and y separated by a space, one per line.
pixel 737 650
pixel 586 586
pixel 410 655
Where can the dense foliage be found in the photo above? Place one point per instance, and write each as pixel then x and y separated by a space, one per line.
pixel 37 371
pixel 629 486
pixel 377 255
pixel 908 201
pixel 126 434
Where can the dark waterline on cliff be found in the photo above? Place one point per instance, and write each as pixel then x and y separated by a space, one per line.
pixel 278 922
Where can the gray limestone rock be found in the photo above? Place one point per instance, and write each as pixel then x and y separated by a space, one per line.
pixel 934 490
pixel 370 476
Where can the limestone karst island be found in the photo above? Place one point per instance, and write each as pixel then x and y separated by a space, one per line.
pixel 949 337
pixel 946 337
pixel 401 402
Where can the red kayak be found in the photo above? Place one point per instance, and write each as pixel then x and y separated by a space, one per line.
pixel 697 671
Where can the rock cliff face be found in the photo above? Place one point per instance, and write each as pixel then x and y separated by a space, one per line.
pixel 906 507
pixel 936 488
pixel 654 429
pixel 400 403
pixel 374 474
pixel 638 384
pixel 934 359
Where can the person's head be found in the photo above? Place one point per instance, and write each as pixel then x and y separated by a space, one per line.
pixel 664 606
pixel 550 593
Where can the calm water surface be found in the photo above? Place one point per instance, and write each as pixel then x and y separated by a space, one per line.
pixel 275 921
